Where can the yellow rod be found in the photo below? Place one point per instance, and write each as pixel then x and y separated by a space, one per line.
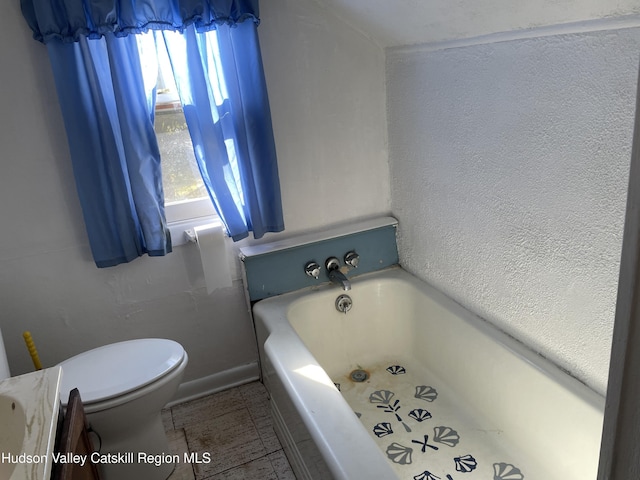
pixel 32 350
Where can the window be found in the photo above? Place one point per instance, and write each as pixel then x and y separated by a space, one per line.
pixel 184 191
pixel 187 203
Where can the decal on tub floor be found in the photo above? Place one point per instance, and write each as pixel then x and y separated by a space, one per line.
pixel 428 438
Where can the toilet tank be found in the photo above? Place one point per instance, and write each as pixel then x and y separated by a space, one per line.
pixel 4 364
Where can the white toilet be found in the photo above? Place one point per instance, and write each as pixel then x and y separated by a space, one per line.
pixel 123 387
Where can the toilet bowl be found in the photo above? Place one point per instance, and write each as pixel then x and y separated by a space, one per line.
pixel 123 387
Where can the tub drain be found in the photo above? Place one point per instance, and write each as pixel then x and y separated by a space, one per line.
pixel 359 375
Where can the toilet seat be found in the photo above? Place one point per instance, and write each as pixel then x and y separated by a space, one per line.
pixel 119 368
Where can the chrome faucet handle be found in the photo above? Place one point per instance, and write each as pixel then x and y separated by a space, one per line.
pixel 352 258
pixel 332 263
pixel 312 269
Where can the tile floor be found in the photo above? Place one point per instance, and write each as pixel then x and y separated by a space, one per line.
pixel 235 428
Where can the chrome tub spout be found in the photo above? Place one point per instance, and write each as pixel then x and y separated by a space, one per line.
pixel 336 276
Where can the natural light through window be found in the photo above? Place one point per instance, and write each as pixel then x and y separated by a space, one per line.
pixel 315 373
pixel 185 194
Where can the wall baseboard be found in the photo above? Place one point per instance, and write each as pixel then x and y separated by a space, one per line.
pixel 217 382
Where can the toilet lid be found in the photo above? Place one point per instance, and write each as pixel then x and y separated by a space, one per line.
pixel 115 369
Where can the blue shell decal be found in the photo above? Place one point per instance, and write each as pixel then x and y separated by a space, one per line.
pixel 506 471
pixel 382 429
pixel 430 446
pixel 420 414
pixel 446 435
pixel 381 396
pixel 465 463
pixel 426 476
pixel 399 453
pixel 425 392
pixel 396 370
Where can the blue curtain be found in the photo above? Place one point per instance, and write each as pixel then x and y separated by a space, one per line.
pixel 108 115
pixel 69 20
pixel 223 92
pixel 115 156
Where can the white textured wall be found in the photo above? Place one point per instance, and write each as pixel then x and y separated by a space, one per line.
pixel 325 123
pixel 509 164
pixel 327 91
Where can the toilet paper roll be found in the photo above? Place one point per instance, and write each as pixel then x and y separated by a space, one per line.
pixel 213 255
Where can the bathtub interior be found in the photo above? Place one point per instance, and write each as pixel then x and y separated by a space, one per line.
pixel 540 417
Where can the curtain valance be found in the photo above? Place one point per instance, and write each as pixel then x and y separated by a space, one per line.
pixel 67 20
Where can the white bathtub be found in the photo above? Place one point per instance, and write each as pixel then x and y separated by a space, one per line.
pixel 478 404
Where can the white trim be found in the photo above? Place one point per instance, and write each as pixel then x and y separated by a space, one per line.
pixel 186 209
pixel 217 382
pixel 601 24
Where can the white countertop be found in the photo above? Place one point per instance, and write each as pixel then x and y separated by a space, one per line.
pixel 37 395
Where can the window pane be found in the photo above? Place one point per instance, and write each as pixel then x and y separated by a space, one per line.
pixel 180 175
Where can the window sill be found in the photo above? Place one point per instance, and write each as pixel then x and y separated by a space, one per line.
pixel 182 232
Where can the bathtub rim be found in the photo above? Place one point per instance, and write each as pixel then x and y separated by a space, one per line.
pixel 338 433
